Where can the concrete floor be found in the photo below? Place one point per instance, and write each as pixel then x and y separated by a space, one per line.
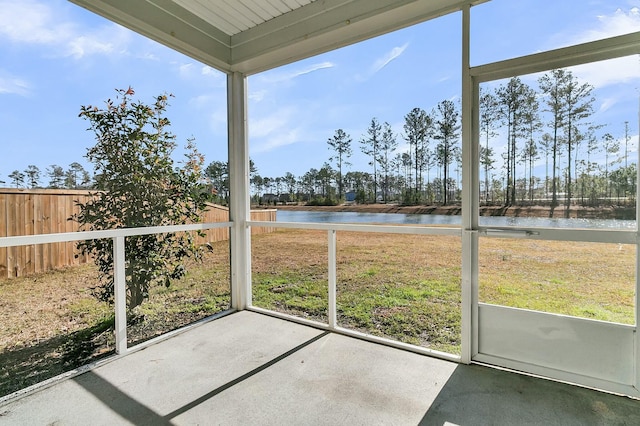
pixel 247 368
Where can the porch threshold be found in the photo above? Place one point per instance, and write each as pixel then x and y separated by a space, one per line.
pixel 250 368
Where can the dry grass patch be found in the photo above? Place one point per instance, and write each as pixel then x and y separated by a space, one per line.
pixel 377 292
pixel 51 323
pixel 405 287
pixel 588 280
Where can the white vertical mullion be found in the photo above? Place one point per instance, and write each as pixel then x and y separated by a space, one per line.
pixel 120 295
pixel 636 358
pixel 470 198
pixel 332 245
pixel 239 211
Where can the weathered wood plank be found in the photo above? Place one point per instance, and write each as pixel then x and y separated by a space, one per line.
pixel 4 272
pixel 44 211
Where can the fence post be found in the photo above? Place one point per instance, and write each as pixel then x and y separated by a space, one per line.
pixel 120 294
pixel 333 316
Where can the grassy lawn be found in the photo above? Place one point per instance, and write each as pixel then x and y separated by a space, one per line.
pixel 51 323
pixel 407 287
pixel 404 287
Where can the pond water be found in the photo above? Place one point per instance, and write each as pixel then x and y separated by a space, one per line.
pixel 454 220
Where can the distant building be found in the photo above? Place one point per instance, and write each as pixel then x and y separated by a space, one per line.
pixel 269 199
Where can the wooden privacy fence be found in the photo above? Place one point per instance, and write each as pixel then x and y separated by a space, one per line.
pixel 46 211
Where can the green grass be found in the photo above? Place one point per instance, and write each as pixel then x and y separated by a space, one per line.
pixel 403 287
pixel 52 323
pixel 408 287
pixel 376 292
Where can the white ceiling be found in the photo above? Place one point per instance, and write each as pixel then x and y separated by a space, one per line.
pixel 234 16
pixel 255 35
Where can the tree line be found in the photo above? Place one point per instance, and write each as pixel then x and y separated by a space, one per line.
pixel 546 127
pixel 551 152
pixel 56 177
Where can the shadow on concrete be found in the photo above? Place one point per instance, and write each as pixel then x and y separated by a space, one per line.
pixel 242 378
pixel 119 402
pixel 139 414
pixel 481 395
pixel 28 365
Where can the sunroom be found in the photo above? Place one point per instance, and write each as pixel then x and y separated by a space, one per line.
pixel 248 37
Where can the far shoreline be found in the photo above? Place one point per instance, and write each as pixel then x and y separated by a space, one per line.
pixel 576 212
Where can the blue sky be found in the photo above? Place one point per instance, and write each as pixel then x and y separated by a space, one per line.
pixel 55 57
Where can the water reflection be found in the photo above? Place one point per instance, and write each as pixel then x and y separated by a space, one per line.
pixel 454 220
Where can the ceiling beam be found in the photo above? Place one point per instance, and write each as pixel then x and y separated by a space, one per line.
pixel 315 28
pixel 169 24
pixel 599 50
pixel 326 25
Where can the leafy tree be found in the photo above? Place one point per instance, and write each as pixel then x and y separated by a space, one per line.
pixel 371 146
pixel 86 180
pixel 531 126
pixel 512 99
pixel 406 162
pixel 340 143
pixel 258 184
pixel 323 180
pixel 388 145
pixel 139 186
pixel 17 178
pixel 611 146
pixel 56 176
pixel 418 126
pixel 593 147
pixel 577 105
pixel 308 182
pixel 446 131
pixel 33 175
pixel 552 85
pixel 217 172
pixel 546 143
pixel 74 175
pixel 290 181
pixel 488 117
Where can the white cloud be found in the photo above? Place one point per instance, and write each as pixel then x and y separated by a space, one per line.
pixel 621 22
pixel 185 70
pixel 212 72
pixel 601 74
pixel 258 95
pixel 388 57
pixel 312 68
pixel 207 70
pixel 277 141
pixel 606 73
pixel 607 103
pixel 277 77
pixel 275 130
pixel 31 22
pixel 12 84
pixel 218 120
pixel 201 101
pixel 38 23
pixel 218 78
pixel 149 56
pixel 270 124
pixel 82 46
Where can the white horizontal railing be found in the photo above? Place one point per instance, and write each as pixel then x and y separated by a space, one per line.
pixel 119 256
pixel 64 237
pixel 332 228
pixel 385 229
pixel 586 235
pixel 619 236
